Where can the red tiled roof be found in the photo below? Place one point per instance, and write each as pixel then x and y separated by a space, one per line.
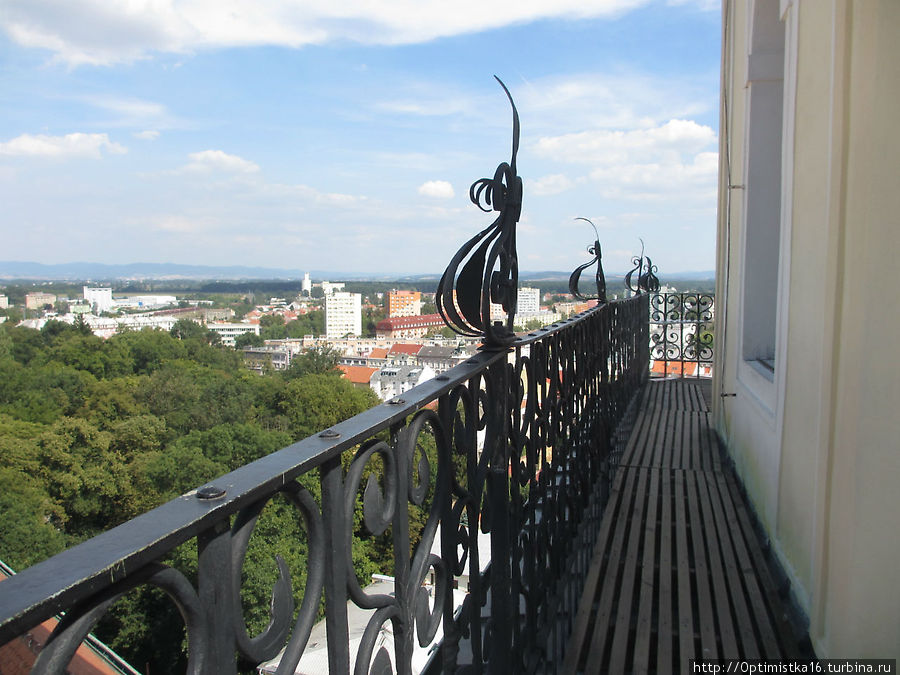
pixel 19 654
pixel 378 353
pixel 673 368
pixel 357 374
pixel 417 321
pixel 411 349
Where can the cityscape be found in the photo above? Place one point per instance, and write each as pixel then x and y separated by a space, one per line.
pixel 404 342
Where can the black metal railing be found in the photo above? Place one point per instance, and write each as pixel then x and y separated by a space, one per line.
pixel 681 334
pixel 523 438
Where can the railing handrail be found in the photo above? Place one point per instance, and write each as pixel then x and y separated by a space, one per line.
pixel 49 587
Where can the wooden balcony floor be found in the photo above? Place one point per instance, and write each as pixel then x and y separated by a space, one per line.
pixel 678 571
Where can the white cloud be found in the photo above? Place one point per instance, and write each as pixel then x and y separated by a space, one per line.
pixel 148 135
pixel 215 160
pixel 111 31
pixel 621 99
pixel 605 147
pixel 70 145
pixel 439 189
pixel 702 5
pixel 551 185
pixel 658 180
pixel 133 108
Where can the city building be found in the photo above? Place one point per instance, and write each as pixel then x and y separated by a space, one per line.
pixel 99 298
pixel 306 285
pixel 805 379
pixel 229 331
pixel 404 303
pixel 528 301
pixel 358 375
pixel 144 302
pixel 545 318
pixel 343 314
pixel 4 302
pixel 39 300
pixel 440 358
pixel 395 379
pixel 260 358
pixel 404 353
pixel 328 287
pixel 409 326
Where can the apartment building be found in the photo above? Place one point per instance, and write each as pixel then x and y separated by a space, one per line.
pixel 343 314
pixel 404 303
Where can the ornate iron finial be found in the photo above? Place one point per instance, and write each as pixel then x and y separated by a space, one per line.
pixel 464 296
pixel 646 271
pixel 599 278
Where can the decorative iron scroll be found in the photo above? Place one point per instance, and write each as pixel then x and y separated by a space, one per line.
pixel 647 282
pixel 681 333
pixel 464 295
pixel 598 277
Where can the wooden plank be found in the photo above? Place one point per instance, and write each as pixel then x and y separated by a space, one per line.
pixel 683 566
pixel 644 626
pixel 635 447
pixel 640 522
pixel 708 646
pixel 721 597
pixel 748 648
pixel 767 642
pixel 595 574
pixel 774 602
pixel 610 588
pixel 664 657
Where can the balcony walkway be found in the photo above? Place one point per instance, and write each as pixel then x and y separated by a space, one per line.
pixel 678 572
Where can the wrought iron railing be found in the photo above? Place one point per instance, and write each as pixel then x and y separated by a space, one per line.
pixel 523 435
pixel 681 334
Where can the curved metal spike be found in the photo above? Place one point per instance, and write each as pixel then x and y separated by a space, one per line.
pixel 599 278
pixel 485 270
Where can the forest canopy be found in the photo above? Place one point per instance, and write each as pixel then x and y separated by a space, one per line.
pixel 95 432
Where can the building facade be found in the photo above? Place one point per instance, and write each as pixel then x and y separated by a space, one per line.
pixel 343 314
pixel 409 326
pixel 528 301
pixel 39 300
pixel 404 303
pixel 228 332
pixel 99 298
pixel 805 377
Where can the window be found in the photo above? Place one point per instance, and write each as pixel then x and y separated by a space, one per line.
pixel 762 185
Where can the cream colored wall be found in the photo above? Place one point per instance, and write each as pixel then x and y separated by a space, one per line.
pixel 861 597
pixel 746 421
pixel 829 492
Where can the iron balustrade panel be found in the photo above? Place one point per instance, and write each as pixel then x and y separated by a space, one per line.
pixel 681 332
pixel 520 442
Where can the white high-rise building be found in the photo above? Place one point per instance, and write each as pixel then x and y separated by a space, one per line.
pixel 329 287
pixel 306 285
pixel 343 314
pixel 100 299
pixel 529 301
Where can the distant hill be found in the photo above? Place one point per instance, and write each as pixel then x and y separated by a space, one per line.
pixel 81 271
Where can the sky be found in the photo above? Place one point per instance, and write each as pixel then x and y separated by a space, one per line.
pixel 312 134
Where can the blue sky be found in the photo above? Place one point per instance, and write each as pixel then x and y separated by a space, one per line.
pixel 304 134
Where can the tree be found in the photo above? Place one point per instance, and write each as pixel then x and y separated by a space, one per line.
pixel 188 329
pixel 271 327
pixel 150 348
pixel 317 360
pixel 248 340
pixel 26 535
pixel 317 401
